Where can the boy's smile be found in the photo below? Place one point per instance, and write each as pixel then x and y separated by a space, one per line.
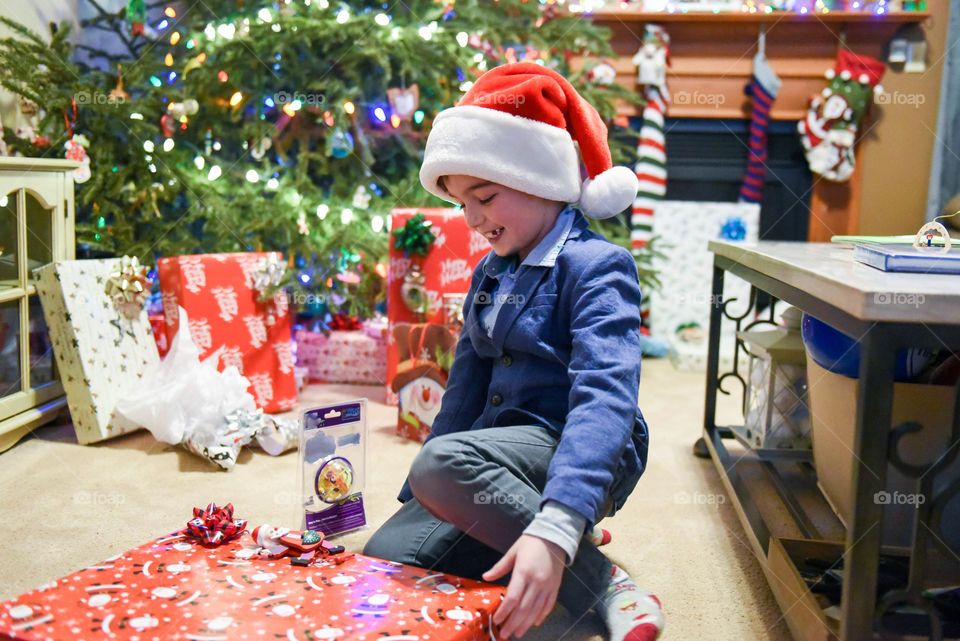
pixel 513 222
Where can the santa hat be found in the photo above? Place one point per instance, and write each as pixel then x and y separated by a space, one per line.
pixel 517 126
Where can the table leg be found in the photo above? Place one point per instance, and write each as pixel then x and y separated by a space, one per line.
pixel 713 363
pixel 874 402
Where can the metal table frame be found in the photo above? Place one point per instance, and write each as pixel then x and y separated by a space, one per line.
pixel 879 343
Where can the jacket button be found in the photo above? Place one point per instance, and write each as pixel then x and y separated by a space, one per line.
pixel 507 360
pixel 496 399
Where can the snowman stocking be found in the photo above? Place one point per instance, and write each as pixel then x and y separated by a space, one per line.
pixel 830 127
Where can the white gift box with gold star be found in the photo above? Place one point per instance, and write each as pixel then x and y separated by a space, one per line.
pixel 101 337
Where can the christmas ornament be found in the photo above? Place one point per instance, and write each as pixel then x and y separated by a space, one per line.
pixel 259 150
pixel 213 526
pixel 180 110
pixel 117 94
pixel 265 279
pixel 547 13
pixel 829 130
pixel 128 287
pixel 136 15
pixel 415 237
pixel 76 150
pixel 413 291
pixel 763 88
pixel 404 102
pixel 334 479
pixel 30 131
pixel 342 321
pixel 602 74
pixel 651 168
pixel 733 229
pixel 361 199
pixel 339 143
pixel 302 546
pixel 168 126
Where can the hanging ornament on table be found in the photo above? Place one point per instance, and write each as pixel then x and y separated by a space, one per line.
pixel 76 150
pixel 259 150
pixel 339 143
pixel 128 286
pixel 118 94
pixel 602 73
pixel 651 168
pixel 136 15
pixel 404 102
pixel 829 130
pixel 415 237
pixel 361 199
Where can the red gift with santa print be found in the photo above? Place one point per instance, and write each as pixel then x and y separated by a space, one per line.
pixel 428 288
pixel 176 587
pixel 221 293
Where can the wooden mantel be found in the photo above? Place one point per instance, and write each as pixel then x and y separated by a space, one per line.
pixel 711 63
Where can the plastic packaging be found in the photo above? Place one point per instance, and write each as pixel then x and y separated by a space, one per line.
pixel 332 466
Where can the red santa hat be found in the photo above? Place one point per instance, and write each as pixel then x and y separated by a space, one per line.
pixel 519 126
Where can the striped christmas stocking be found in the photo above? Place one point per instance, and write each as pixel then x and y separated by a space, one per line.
pixel 651 168
pixel 763 88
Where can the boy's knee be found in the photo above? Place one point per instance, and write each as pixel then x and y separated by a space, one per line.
pixel 432 469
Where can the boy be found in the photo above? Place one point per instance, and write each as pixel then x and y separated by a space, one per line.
pixel 539 435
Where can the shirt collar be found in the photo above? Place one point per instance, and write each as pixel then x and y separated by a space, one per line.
pixel 543 255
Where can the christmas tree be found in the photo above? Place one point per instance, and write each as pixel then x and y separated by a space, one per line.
pixel 244 125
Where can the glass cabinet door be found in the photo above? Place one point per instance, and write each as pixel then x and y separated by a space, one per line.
pixel 27 370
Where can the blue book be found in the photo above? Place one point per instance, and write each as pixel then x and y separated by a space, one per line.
pixel 907 258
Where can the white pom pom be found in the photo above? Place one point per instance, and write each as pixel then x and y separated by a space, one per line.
pixel 609 193
pixel 878 89
pixel 829 74
pixel 845 74
pixel 826 92
pixel 864 79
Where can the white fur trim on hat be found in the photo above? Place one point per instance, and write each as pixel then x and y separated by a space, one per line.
pixel 523 154
pixel 609 193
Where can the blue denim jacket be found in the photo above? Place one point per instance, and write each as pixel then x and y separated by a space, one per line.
pixel 564 353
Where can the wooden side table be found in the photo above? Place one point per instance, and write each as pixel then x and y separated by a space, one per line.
pixel 785 516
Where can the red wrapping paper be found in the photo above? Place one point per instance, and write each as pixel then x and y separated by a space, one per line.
pixel 447 267
pixel 221 302
pixel 159 327
pixel 175 588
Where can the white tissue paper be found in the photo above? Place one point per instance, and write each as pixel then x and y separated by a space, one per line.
pixel 185 401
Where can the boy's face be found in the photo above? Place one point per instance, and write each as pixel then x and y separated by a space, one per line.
pixel 512 221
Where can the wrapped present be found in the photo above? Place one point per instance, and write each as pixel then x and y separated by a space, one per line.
pixel 159 327
pixel 101 337
pixel 221 293
pixel 342 356
pixel 426 353
pixel 179 587
pixel 428 277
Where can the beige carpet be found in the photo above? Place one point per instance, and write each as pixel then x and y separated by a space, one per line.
pixel 65 506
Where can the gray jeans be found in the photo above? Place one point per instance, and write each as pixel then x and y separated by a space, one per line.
pixel 475 492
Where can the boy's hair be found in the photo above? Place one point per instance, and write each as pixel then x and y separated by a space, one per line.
pixel 517 126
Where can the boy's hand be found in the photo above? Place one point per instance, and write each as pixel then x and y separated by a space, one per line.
pixel 537 567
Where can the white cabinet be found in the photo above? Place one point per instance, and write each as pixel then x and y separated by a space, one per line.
pixel 36 227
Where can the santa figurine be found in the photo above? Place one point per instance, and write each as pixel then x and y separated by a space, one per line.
pixel 302 547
